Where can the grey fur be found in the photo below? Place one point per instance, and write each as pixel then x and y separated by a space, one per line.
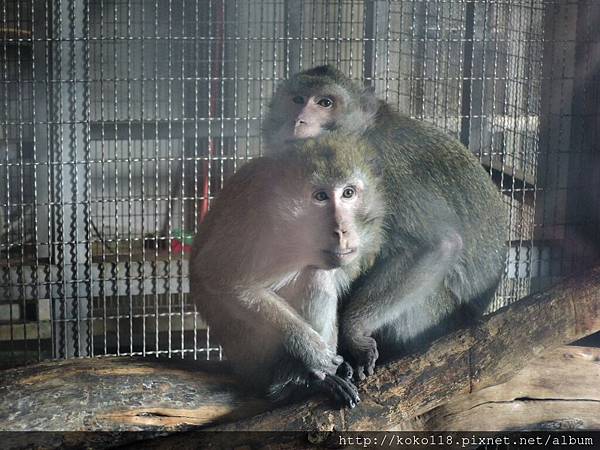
pixel 258 273
pixel 445 248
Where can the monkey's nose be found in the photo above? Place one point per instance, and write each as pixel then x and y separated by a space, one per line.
pixel 340 233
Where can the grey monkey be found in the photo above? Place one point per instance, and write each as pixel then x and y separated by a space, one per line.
pixel 283 240
pixel 444 251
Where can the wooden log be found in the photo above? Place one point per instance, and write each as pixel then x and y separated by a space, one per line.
pixel 558 391
pixel 122 393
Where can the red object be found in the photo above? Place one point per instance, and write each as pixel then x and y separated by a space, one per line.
pixel 178 247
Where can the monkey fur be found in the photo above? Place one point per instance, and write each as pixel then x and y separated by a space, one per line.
pixel 444 251
pixel 283 240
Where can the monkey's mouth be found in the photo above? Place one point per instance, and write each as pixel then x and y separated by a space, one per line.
pixel 340 257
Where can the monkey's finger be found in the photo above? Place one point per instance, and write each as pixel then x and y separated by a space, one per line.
pixel 359 373
pixel 371 368
pixel 337 360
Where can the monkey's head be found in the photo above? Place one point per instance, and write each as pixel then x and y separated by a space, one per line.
pixel 340 214
pixel 315 102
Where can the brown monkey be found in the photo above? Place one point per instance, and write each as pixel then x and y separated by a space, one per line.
pixel 445 248
pixel 285 237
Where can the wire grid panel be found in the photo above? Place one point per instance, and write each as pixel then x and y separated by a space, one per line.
pixel 122 119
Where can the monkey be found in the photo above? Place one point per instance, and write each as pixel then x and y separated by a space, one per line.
pixel 444 251
pixel 282 241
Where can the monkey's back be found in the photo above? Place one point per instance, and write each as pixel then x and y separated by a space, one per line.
pixel 434 185
pixel 232 255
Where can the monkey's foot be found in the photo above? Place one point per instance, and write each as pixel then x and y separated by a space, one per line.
pixel 342 391
pixel 365 353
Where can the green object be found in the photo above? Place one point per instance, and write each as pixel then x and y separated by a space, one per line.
pixel 182 236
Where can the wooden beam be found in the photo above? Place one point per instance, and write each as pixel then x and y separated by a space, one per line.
pixel 558 391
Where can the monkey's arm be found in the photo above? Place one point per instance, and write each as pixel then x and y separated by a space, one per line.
pixel 395 285
pixel 263 310
pixel 303 362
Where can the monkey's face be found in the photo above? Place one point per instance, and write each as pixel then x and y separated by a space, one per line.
pixel 333 213
pixel 304 113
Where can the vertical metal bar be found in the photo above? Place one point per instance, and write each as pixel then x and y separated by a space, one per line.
pixel 535 148
pixel 465 109
pixel 88 312
pixel 494 92
pixel 512 79
pixel 49 184
pixel 156 186
pixel 339 32
pixel 129 262
pixel 37 241
pixel 169 178
pixel 195 155
pixel 232 32
pixel 73 175
pixel 326 55
pixel 143 159
pixel 182 78
pixel 261 64
pixel 369 47
pixel 483 122
pixel 20 161
pixel 59 319
pixel 387 44
pixel 219 81
pixel 117 200
pixel 438 28
pixel 293 36
pixel 526 153
pixel 250 73
pixel 417 58
pixel 511 215
pixel 103 170
pixel 350 41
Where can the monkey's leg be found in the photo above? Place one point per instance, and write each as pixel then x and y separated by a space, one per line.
pixel 392 287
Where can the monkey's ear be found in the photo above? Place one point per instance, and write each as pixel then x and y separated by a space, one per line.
pixel 368 102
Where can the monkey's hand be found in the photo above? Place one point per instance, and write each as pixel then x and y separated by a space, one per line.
pixel 363 350
pixel 323 363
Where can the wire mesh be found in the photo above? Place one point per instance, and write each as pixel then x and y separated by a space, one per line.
pixel 120 120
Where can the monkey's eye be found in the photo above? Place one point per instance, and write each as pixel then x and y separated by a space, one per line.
pixel 325 102
pixel 348 192
pixel 298 99
pixel 321 196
